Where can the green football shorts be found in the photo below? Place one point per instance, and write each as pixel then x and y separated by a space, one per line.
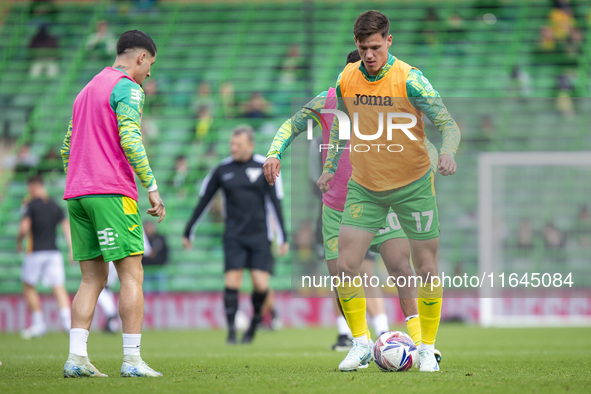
pixel 110 226
pixel 415 206
pixel 331 221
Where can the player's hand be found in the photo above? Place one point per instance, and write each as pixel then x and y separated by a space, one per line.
pixel 323 181
pixel 271 169
pixel 283 249
pixel 157 204
pixel 187 243
pixel 447 165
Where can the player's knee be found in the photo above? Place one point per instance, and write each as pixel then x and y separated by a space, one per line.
pixel 400 270
pixel 426 269
pixel 347 267
pixel 232 282
pixel 98 281
pixel 261 287
pixel 135 280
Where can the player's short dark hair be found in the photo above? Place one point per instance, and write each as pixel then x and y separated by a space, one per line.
pixel 370 23
pixel 132 39
pixel 353 57
pixel 35 179
pixel 244 129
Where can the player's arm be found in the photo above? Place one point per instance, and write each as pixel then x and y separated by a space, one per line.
pixel 209 187
pixel 289 130
pixel 426 99
pixel 336 145
pixel 433 154
pixel 23 229
pixel 333 155
pixel 65 150
pixel 294 126
pixel 276 195
pixel 127 101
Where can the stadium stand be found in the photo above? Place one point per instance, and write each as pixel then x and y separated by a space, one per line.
pixel 468 52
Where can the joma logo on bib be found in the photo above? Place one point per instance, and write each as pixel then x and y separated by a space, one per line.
pixel 364 99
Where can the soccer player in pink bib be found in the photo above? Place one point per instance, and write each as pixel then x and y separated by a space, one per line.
pixel 102 153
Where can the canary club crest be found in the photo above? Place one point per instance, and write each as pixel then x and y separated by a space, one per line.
pixel 356 210
pixel 333 244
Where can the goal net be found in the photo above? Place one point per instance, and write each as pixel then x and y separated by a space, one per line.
pixel 534 228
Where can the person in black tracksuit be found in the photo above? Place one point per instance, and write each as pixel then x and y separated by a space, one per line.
pixel 249 203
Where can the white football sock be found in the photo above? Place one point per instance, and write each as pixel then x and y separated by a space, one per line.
pixel 425 346
pixel 380 323
pixel 131 344
pixel 65 318
pixel 38 319
pixel 410 317
pixel 362 340
pixel 343 327
pixel 78 341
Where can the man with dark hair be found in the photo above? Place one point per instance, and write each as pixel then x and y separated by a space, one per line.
pixel 401 180
pixel 250 202
pixel 43 261
pixel 370 23
pixel 102 153
pixel 135 39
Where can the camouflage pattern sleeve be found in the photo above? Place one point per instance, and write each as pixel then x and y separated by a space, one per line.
pixel 127 100
pixel 294 126
pixel 334 155
pixel 426 99
pixel 65 150
pixel 433 155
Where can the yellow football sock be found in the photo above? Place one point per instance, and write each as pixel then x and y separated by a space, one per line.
pixel 352 301
pixel 429 311
pixel 413 326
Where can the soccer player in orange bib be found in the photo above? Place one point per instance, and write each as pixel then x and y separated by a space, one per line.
pixel 391 169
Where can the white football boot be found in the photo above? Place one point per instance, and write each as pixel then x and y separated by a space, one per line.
pixel 427 360
pixel 358 357
pixel 33 331
pixel 80 367
pixel 438 357
pixel 135 367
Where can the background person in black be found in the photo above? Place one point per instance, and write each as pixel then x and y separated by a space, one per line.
pixel 248 197
pixel 155 278
pixel 43 261
pixel 159 248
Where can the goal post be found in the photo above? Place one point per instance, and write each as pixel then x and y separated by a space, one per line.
pixel 534 238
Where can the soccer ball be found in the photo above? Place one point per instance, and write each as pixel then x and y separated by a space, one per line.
pixel 395 351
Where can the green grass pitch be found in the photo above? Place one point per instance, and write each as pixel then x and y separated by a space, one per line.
pixel 544 360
